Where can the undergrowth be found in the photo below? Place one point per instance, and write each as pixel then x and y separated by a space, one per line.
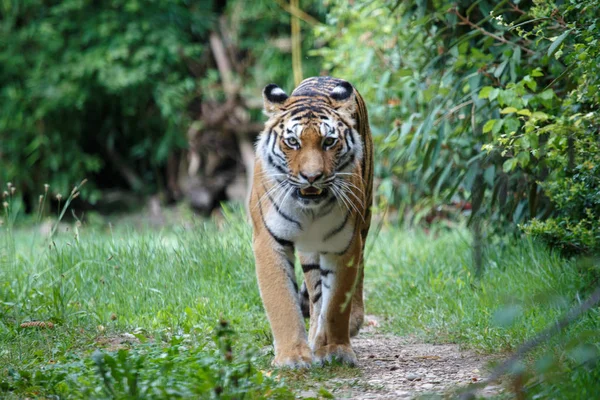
pixel 176 312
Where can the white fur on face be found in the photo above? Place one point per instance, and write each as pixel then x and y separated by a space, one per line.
pixel 328 130
pixel 293 129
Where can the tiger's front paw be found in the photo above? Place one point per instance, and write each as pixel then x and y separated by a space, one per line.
pixel 297 357
pixel 340 352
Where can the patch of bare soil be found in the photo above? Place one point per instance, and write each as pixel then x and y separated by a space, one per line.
pixel 116 342
pixel 402 368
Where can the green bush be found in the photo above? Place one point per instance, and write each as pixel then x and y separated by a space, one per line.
pixel 89 90
pixel 490 105
pixel 82 80
pixel 553 132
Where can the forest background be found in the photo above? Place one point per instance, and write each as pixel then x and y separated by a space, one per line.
pixel 489 107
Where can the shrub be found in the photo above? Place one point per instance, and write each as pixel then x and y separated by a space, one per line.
pixel 487 105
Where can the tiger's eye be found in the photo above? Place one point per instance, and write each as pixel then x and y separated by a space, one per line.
pixel 329 141
pixel 292 141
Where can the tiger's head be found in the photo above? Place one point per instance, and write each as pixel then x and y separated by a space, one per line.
pixel 310 145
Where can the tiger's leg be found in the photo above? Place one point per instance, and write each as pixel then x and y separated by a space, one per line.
pixel 279 292
pixel 357 314
pixel 312 282
pixel 338 274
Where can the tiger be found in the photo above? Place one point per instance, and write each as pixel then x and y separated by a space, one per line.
pixel 311 194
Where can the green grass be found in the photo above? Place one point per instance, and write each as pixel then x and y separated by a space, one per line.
pixel 159 296
pixel 427 287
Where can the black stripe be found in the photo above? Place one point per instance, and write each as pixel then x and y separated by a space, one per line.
pixel 349 136
pixel 325 210
pixel 282 242
pixel 341 253
pixel 277 166
pixel 291 266
pixel 341 168
pixel 316 298
pixel 283 215
pixel 304 292
pixel 277 152
pixel 302 101
pixel 309 267
pixel 295 285
pixel 364 232
pixel 303 107
pixel 325 272
pixel 299 110
pixel 283 160
pixel 317 284
pixel 280 157
pixel 337 229
pixel 327 286
pixel 274 149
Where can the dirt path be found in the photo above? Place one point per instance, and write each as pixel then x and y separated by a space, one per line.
pixel 402 368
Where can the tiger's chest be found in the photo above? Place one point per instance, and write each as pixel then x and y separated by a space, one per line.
pixel 325 230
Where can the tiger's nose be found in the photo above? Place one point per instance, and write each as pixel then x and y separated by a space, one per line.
pixel 311 178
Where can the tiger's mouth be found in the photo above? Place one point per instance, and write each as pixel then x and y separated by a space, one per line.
pixel 311 192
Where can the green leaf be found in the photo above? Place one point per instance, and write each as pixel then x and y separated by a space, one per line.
pixel 489 125
pixel 508 110
pixel 493 94
pixel 536 73
pixel 540 116
pixel 485 92
pixel 509 165
pixel 500 69
pixel 546 94
pixel 556 42
pixel 523 158
pixel 511 125
pixel 530 83
pixel 525 112
pixel 497 126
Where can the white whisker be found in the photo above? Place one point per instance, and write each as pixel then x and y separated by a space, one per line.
pixel 344 191
pixel 352 174
pixel 342 197
pixel 351 191
pixel 352 185
pixel 271 190
pixel 287 193
pixel 281 193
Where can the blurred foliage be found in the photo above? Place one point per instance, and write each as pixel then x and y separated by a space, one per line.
pixel 263 33
pixel 487 106
pixel 89 89
pixel 488 103
pixel 80 80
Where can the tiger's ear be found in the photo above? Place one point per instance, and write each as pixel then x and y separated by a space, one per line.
pixel 273 98
pixel 343 97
